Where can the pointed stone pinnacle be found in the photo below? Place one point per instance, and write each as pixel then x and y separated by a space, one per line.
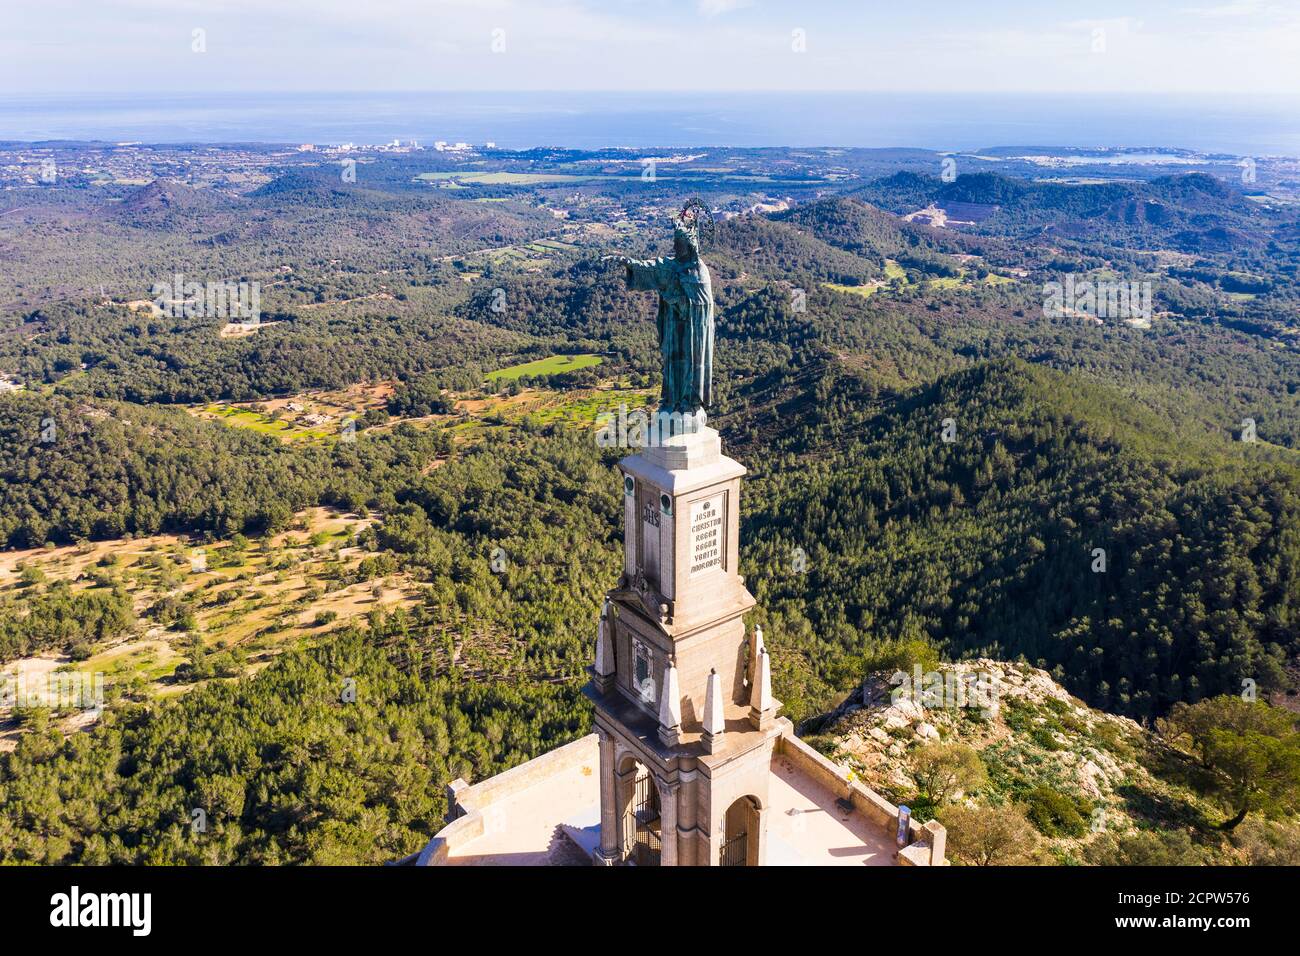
pixel 604 645
pixel 756 648
pixel 714 721
pixel 670 704
pixel 761 699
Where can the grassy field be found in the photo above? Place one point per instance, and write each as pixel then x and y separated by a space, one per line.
pixel 946 282
pixel 554 365
pixel 317 416
pixel 863 290
pixel 575 407
pixel 967 279
pixel 285 430
pixel 892 271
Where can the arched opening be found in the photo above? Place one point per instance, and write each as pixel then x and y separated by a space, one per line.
pixel 641 826
pixel 740 834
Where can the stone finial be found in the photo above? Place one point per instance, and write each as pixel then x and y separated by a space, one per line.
pixel 670 707
pixel 714 721
pixel 760 701
pixel 756 648
pixel 604 644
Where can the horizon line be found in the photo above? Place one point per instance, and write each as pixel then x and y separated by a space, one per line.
pixel 667 91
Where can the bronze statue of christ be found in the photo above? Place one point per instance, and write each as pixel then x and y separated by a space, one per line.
pixel 685 317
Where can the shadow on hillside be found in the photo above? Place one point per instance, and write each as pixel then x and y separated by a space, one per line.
pixel 1165 809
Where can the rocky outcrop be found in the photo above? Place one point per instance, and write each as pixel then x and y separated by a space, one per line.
pixel 1035 740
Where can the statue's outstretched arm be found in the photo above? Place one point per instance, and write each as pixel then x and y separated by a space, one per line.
pixel 646 275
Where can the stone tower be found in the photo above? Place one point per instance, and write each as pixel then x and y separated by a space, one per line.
pixel 683 701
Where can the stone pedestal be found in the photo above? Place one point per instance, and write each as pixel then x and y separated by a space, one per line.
pixel 676 617
pixel 681 557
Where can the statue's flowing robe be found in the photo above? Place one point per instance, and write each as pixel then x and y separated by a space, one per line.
pixel 685 325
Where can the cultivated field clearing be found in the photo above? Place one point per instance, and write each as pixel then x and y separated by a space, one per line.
pixel 317 416
pixel 553 365
pixel 226 606
pixel 894 271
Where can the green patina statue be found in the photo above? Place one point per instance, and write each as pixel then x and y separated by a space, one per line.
pixel 685 317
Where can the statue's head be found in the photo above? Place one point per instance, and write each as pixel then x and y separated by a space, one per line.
pixel 686 239
pixel 692 229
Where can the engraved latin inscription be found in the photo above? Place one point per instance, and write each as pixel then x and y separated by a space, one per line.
pixel 706 534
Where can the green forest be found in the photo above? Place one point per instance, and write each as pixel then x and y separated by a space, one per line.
pixel 934 464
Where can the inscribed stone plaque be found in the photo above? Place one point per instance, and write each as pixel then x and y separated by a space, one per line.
pixel 706 534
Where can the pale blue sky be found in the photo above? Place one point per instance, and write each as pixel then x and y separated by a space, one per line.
pixel 1240 46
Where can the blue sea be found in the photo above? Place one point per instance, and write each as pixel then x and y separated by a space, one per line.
pixel 1240 126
